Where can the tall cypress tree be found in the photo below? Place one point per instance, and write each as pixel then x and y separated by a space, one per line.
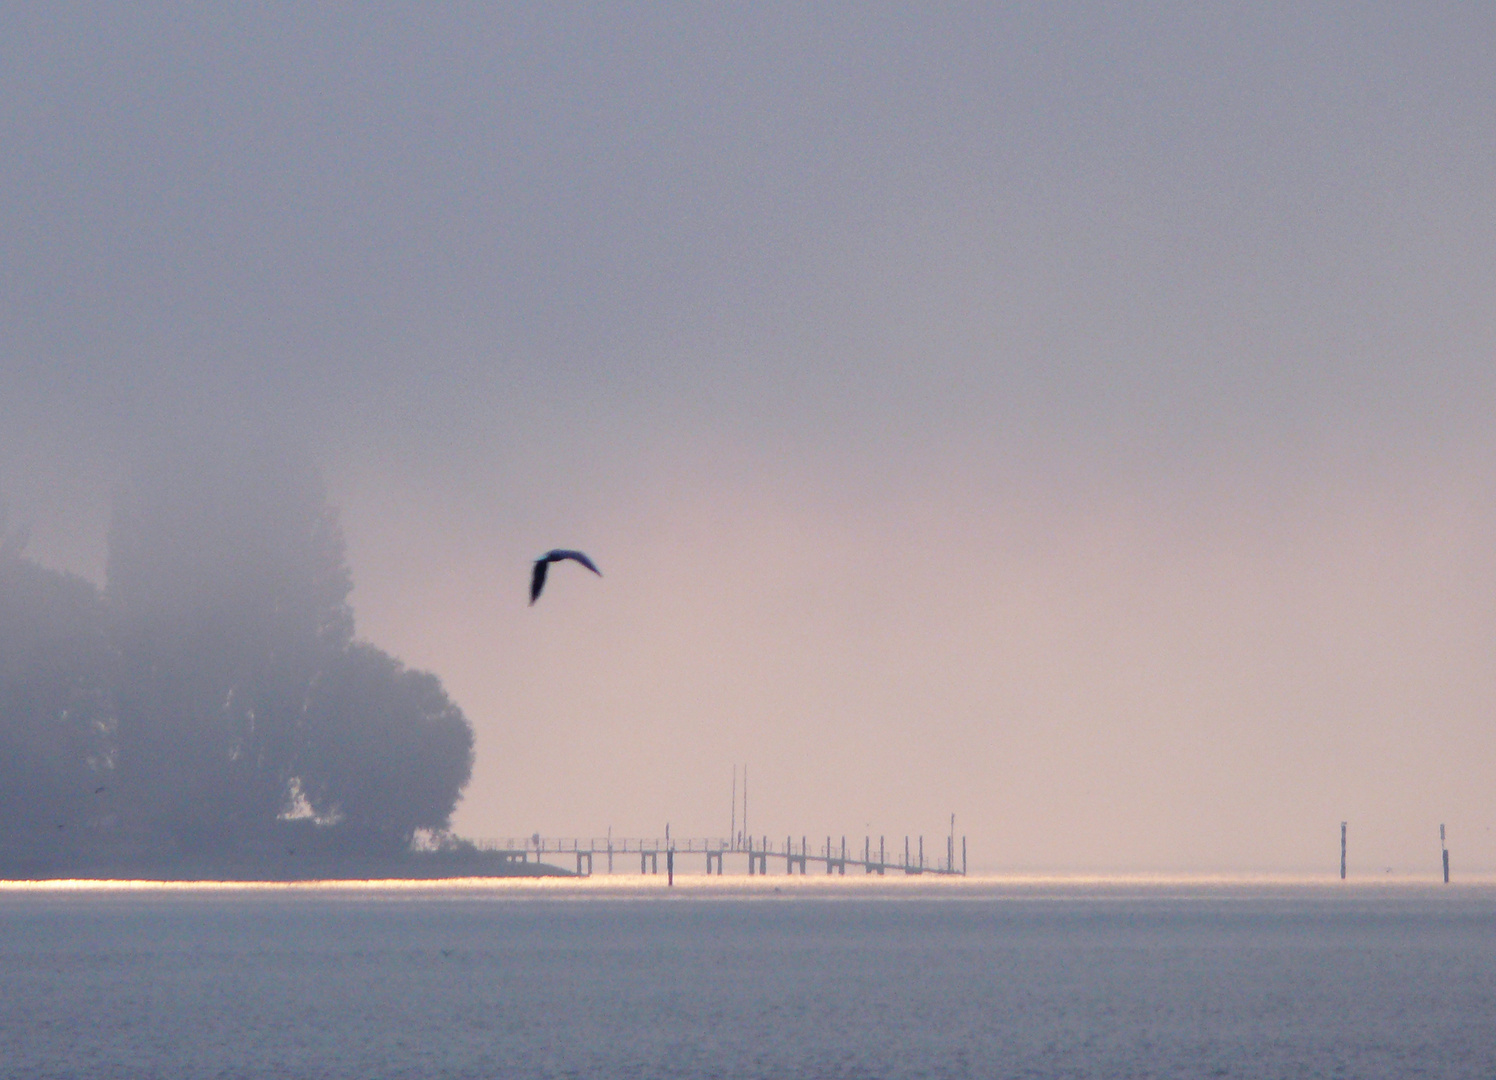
pixel 228 595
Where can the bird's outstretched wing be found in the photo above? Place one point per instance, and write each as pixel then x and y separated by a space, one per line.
pixel 575 556
pixel 537 578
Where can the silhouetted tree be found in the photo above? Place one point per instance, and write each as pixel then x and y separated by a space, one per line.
pixel 214 691
pixel 386 751
pixel 56 721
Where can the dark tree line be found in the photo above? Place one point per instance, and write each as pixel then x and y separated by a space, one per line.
pixel 212 699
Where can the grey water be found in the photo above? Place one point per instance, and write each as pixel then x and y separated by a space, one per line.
pixel 984 980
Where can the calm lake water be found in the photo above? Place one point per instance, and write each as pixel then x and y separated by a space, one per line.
pixel 620 979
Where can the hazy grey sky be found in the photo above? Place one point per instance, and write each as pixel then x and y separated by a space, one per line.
pixel 1076 418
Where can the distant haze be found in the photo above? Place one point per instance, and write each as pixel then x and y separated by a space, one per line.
pixel 1077 420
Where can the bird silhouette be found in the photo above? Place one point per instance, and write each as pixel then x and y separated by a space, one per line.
pixel 542 564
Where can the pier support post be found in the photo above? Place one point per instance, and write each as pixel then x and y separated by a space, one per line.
pixel 1444 850
pixel 643 863
pixel 670 867
pixel 963 856
pixel 1342 851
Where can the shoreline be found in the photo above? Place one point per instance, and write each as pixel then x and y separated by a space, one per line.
pixel 435 866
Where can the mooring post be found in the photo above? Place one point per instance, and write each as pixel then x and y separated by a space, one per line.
pixel 643 862
pixel 882 859
pixel 921 854
pixel 1342 851
pixel 1444 849
pixel 963 856
pixel 670 867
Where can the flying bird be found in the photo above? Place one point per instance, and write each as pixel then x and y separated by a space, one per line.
pixel 537 576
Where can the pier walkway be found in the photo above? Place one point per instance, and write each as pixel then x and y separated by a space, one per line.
pixel 756 854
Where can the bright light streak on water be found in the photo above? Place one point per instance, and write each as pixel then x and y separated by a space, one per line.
pixel 729 977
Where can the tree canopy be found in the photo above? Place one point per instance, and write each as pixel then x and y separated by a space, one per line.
pixel 212 698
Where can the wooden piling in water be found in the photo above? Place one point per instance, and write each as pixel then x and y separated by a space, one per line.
pixel 1444 850
pixel 1342 851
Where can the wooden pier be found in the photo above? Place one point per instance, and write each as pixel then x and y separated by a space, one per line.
pixel 755 853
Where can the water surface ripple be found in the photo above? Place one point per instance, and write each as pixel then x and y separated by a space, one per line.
pixel 881 980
